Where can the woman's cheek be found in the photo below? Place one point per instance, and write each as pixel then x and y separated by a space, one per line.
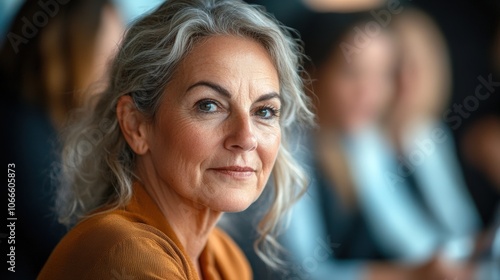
pixel 269 143
pixel 195 138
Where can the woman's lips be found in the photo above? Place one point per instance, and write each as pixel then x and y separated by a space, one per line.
pixel 239 172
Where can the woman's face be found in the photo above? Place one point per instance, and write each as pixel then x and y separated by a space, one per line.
pixel 353 95
pixel 216 135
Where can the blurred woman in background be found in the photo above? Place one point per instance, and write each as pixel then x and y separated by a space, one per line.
pixel 424 143
pixel 42 79
pixel 363 203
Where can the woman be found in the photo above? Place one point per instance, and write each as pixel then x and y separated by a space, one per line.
pixel 424 143
pixel 194 120
pixel 42 79
pixel 372 229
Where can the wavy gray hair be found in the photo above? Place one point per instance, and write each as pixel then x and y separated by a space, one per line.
pixel 97 164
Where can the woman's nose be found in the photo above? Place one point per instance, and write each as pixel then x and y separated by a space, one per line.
pixel 240 135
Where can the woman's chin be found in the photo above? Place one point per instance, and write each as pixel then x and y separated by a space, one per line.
pixel 232 201
pixel 228 195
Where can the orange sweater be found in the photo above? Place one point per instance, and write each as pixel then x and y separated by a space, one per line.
pixel 138 243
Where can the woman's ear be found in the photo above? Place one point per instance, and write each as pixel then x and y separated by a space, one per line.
pixel 133 125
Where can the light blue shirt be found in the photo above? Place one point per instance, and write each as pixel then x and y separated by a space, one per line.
pixel 395 217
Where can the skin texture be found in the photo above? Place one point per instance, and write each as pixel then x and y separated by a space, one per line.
pixel 219 114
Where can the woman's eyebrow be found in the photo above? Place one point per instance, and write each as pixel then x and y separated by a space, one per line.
pixel 224 92
pixel 268 96
pixel 217 88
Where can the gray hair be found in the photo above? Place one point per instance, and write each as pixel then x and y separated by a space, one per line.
pixel 97 164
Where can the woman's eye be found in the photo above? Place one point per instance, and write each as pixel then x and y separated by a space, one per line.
pixel 267 112
pixel 207 106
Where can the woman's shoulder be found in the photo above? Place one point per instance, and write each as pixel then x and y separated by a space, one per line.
pixel 116 244
pixel 108 229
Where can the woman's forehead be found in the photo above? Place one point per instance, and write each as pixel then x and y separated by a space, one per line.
pixel 231 60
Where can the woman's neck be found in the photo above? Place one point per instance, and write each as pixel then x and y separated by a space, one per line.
pixel 192 222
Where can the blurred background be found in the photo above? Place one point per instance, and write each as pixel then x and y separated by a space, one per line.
pixel 404 164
